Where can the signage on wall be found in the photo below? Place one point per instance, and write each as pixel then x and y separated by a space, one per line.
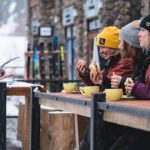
pixel 69 14
pixel 91 8
pixel 94 25
pixel 45 31
pixel 35 26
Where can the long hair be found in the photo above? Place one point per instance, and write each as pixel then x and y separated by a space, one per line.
pixel 128 51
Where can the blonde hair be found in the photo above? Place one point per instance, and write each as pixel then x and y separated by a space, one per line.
pixel 147 46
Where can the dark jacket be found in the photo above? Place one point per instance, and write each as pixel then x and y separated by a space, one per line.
pixel 122 67
pixel 141 88
pixel 136 71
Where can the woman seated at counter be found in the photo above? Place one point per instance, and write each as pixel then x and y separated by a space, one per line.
pixel 121 62
pixel 141 87
pixel 122 52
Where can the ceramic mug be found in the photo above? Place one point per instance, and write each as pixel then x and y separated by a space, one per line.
pixel 89 90
pixel 113 94
pixel 69 87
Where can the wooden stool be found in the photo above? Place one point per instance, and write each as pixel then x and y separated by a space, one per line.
pixel 61 131
pixel 44 139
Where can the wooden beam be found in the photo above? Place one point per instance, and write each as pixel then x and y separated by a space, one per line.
pixel 127 120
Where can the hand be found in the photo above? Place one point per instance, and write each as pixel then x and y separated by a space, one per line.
pixel 115 80
pixel 96 79
pixel 129 87
pixel 81 66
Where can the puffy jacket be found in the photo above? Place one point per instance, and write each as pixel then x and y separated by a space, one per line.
pixel 122 67
pixel 136 71
pixel 141 88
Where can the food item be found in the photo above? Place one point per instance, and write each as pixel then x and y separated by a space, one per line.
pixel 129 81
pixel 94 68
pixel 82 61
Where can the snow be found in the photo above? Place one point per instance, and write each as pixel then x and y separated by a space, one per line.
pixel 10 26
pixel 11 128
pixel 10 47
pixel 12 105
pixel 12 7
pixel 11 142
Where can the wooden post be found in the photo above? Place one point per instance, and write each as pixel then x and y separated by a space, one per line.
pixel 44 142
pixel 44 138
pixel 3 116
pixel 61 131
pixel 26 124
pixel 20 129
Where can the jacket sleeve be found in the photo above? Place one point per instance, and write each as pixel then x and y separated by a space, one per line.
pixel 106 82
pixel 141 90
pixel 86 79
pixel 121 85
pixel 122 68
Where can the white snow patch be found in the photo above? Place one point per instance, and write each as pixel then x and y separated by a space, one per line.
pixel 6 30
pixel 12 7
pixel 10 47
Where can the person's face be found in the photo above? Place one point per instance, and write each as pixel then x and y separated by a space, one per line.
pixel 121 44
pixel 143 38
pixel 106 52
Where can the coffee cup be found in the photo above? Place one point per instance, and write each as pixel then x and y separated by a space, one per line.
pixel 89 90
pixel 69 87
pixel 113 94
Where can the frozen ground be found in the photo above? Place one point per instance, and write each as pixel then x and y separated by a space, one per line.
pixel 12 110
pixel 13 43
pixel 11 142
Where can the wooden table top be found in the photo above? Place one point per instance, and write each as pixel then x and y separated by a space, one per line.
pixel 21 89
pixel 77 96
pixel 75 103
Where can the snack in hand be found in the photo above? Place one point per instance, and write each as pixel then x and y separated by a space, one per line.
pixel 82 61
pixel 129 81
pixel 94 68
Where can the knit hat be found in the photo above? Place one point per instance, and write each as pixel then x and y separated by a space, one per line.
pixel 145 23
pixel 108 37
pixel 129 33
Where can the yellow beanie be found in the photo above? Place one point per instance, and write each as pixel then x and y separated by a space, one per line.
pixel 108 37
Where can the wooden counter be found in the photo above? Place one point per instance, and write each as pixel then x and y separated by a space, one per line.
pixel 126 112
pixel 75 103
pixel 131 113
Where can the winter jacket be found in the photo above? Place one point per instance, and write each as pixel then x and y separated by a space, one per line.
pixel 122 67
pixel 136 71
pixel 141 88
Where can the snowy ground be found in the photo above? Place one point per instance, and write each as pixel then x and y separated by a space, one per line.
pixel 13 43
pixel 12 110
pixel 11 142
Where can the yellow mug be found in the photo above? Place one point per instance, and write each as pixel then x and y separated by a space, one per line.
pixel 69 87
pixel 113 94
pixel 89 90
